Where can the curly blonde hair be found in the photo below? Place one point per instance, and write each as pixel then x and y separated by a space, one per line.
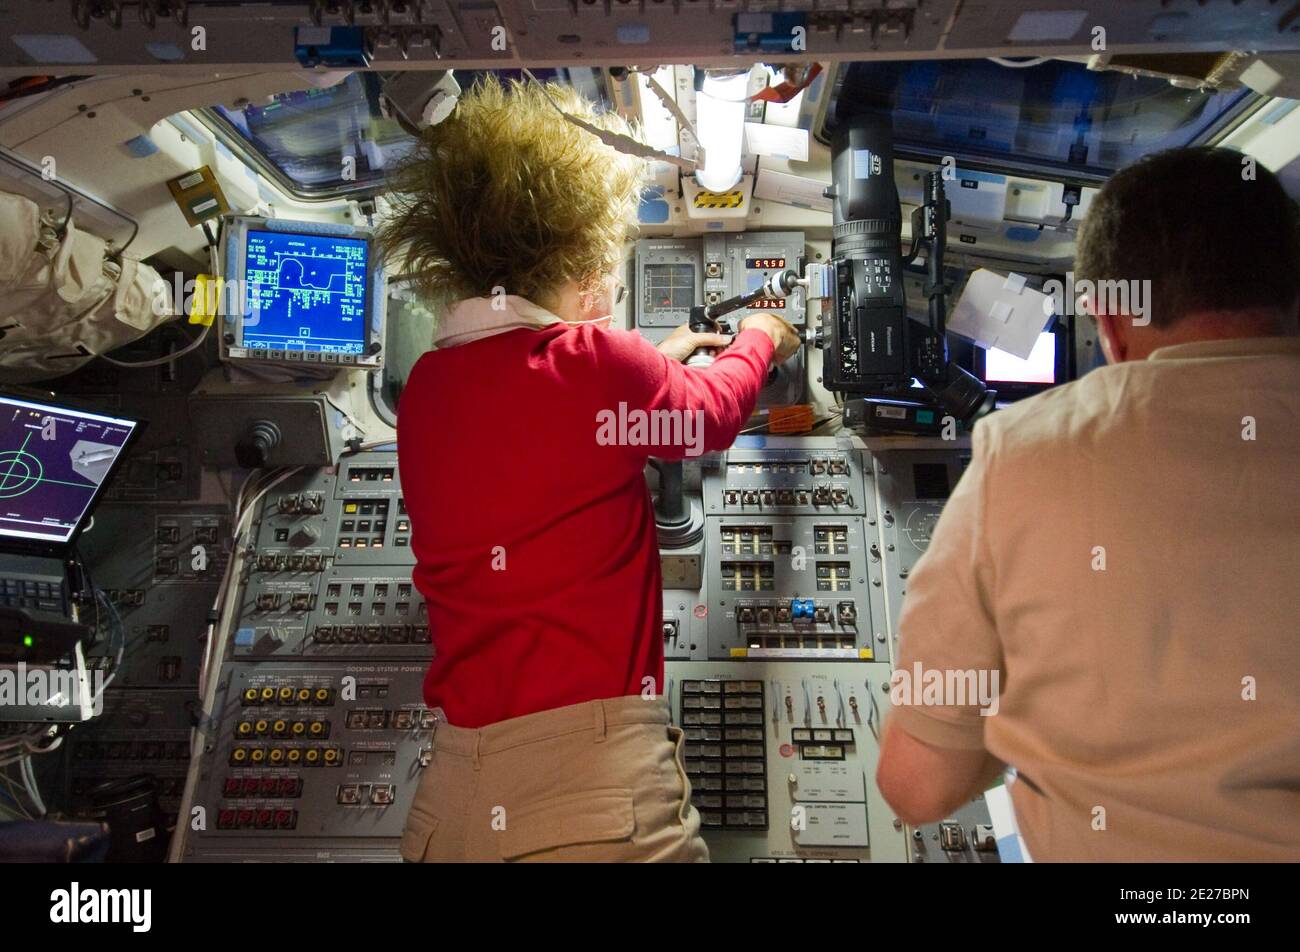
pixel 506 193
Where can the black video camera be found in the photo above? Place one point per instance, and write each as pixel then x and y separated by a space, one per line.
pixel 872 347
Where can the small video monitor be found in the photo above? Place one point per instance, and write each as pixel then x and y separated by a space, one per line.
pixel 1015 377
pixel 668 290
pixel 302 293
pixel 55 461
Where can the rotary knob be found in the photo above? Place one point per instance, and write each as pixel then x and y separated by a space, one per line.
pixel 305 535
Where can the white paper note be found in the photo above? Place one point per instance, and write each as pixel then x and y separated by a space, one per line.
pixel 792 190
pixel 780 142
pixel 999 311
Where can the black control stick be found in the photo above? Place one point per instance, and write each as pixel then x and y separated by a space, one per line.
pixel 679 521
pixel 253 450
pixel 704 318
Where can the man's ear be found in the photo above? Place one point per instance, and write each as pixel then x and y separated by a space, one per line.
pixel 1112 330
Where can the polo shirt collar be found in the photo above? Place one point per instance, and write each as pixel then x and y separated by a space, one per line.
pixel 1234 347
pixel 476 318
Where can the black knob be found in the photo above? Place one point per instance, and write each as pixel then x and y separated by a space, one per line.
pixel 304 536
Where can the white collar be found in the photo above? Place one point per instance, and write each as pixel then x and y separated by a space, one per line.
pixel 476 318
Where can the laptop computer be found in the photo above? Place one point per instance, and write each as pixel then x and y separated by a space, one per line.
pixel 55 462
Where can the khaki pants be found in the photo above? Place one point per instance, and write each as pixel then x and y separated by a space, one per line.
pixel 598 782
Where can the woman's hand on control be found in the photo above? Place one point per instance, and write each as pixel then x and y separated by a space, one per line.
pixel 683 342
pixel 785 338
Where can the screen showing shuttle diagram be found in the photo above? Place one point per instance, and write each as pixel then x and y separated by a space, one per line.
pixel 53 461
pixel 305 292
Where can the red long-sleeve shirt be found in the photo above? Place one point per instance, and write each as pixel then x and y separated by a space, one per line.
pixel 534 537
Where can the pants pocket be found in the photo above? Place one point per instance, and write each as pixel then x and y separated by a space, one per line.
pixel 545 828
pixel 417 836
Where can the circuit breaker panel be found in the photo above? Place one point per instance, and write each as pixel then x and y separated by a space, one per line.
pixel 781 756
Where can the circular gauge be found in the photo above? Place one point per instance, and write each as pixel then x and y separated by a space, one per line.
pixel 920 524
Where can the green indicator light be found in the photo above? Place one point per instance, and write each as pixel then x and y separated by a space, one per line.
pixel 28 641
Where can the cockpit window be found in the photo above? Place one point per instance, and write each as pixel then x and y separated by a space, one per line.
pixel 323 141
pixel 1053 117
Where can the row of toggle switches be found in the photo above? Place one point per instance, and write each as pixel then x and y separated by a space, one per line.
pixel 816 496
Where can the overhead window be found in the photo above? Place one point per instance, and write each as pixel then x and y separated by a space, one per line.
pixel 1054 117
pixel 321 143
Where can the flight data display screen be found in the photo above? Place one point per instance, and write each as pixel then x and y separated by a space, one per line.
pixel 305 293
pixel 53 461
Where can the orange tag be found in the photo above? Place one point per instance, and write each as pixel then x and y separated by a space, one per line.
pixel 796 419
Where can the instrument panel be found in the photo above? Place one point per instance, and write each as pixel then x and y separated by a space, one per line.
pixel 672 274
pixel 914 484
pixel 781 757
pixel 777 631
pixel 330 571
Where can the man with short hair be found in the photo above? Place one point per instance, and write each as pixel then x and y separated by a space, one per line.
pixel 1123 551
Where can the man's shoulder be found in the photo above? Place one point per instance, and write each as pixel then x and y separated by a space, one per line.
pixel 1051 417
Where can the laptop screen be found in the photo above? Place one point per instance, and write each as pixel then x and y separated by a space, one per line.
pixel 54 461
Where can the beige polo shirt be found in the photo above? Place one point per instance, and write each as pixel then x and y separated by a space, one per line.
pixel 1124 551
